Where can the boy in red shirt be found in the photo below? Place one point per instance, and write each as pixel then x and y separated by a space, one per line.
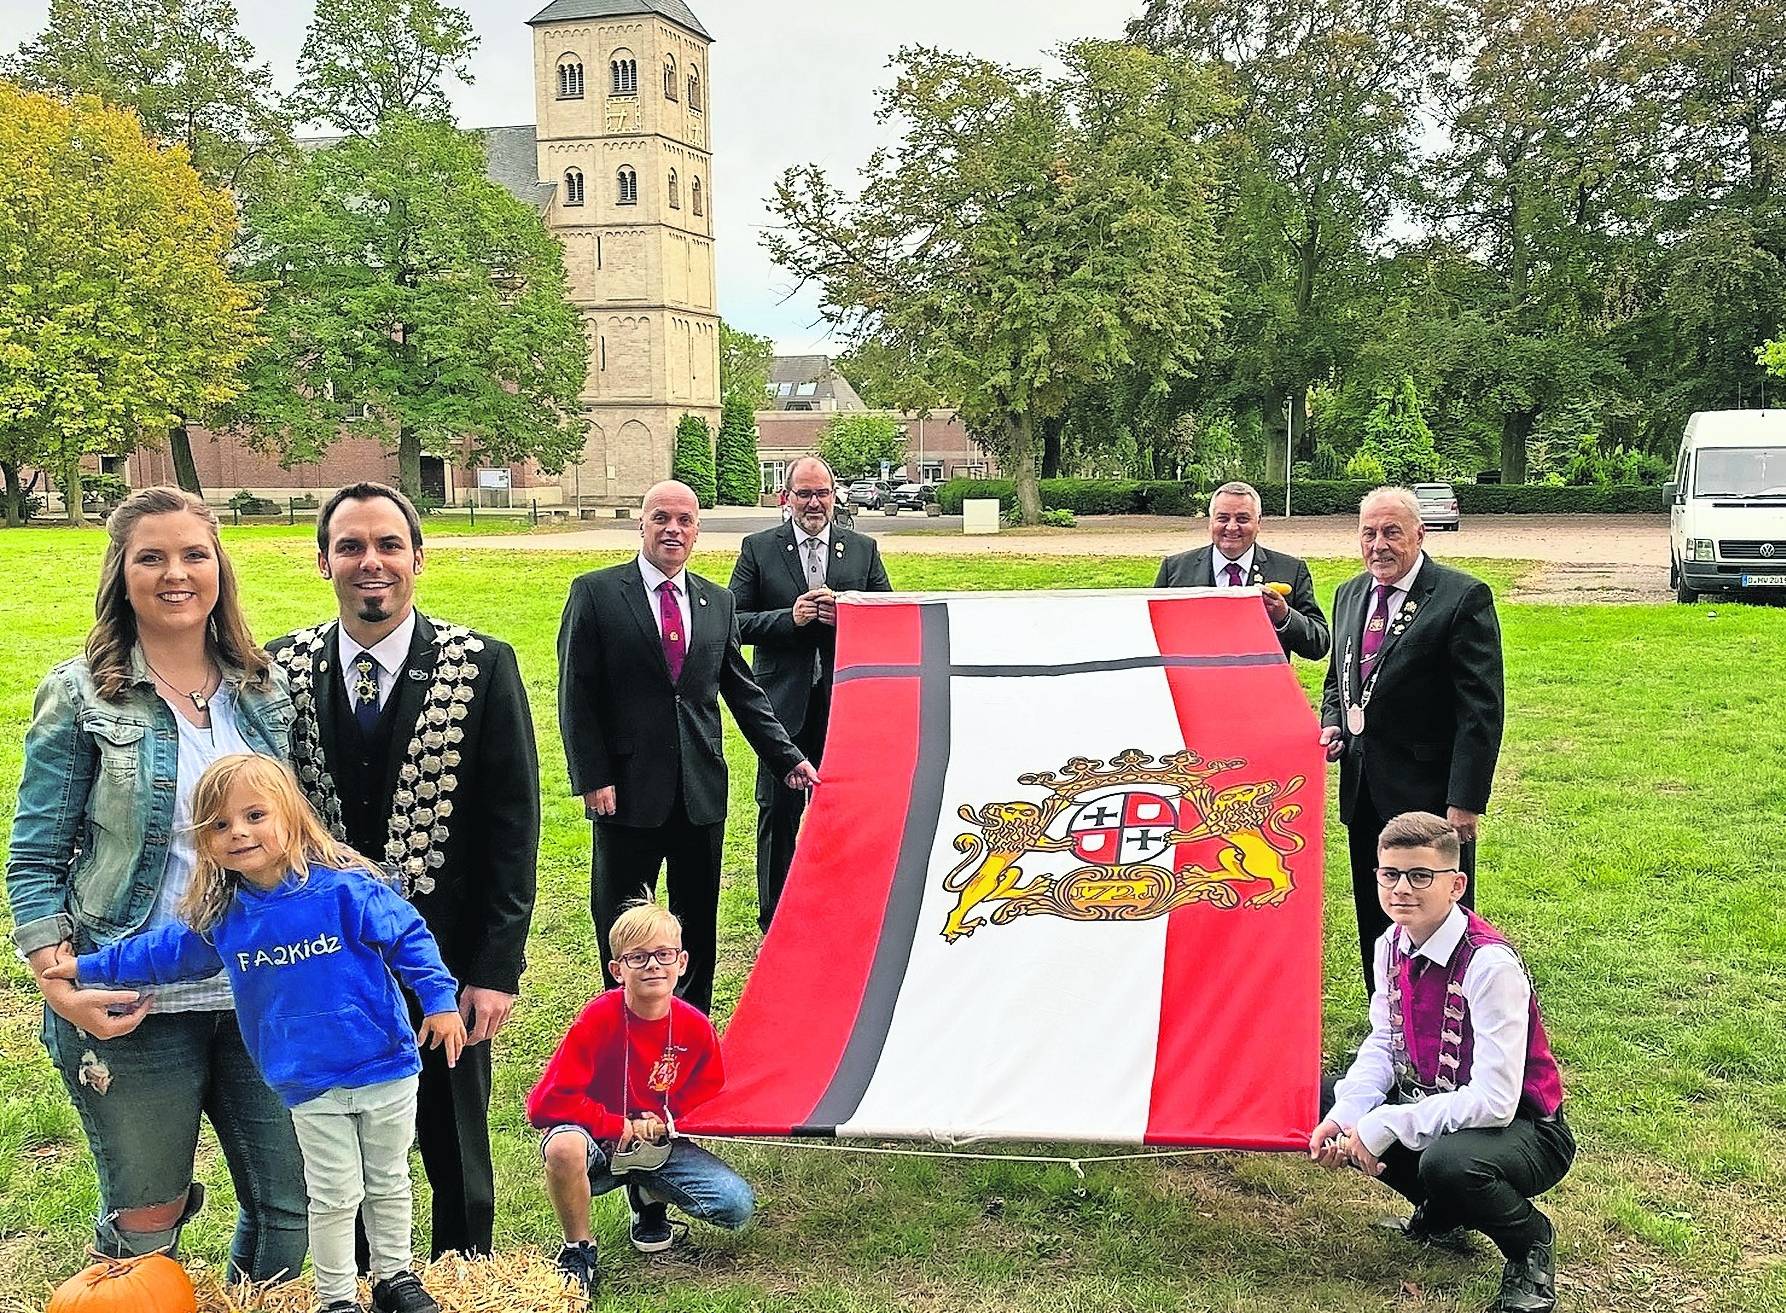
pixel 635 1060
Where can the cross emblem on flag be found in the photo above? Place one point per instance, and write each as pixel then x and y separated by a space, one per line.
pixel 1122 828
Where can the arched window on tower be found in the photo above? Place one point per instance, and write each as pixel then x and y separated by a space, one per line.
pixel 570 77
pixel 573 186
pixel 623 74
pixel 669 77
pixel 695 200
pixel 694 88
pixel 626 186
pixel 675 192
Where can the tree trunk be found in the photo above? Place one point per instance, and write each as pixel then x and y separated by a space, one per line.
pixel 1276 469
pixel 71 489
pixel 1299 425
pixel 409 463
pixel 1516 427
pixel 185 468
pixel 15 496
pixel 1020 439
pixel 1051 431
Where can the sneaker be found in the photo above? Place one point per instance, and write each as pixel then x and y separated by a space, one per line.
pixel 1529 1285
pixel 651 1232
pixel 341 1306
pixel 576 1264
pixel 402 1293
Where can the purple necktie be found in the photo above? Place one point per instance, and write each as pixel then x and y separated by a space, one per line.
pixel 1233 574
pixel 1377 626
pixel 675 632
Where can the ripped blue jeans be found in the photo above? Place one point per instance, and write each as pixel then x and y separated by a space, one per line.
pixel 140 1096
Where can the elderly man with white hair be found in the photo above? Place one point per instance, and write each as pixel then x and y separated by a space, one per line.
pixel 1414 702
pixel 645 651
pixel 1234 559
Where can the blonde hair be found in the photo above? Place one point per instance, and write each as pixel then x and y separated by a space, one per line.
pixel 213 885
pixel 641 922
pixel 113 636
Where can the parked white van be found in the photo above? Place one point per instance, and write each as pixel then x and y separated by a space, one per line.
pixel 1727 506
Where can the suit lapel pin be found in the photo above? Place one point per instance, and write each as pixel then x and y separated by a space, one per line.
pixel 417 674
pixel 702 601
pixel 790 547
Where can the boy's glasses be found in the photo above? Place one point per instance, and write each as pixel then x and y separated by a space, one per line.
pixel 639 957
pixel 1418 877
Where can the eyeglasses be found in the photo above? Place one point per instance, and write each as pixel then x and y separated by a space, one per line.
pixel 1418 877
pixel 811 494
pixel 639 958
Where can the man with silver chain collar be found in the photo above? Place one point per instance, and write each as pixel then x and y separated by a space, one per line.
pixel 414 742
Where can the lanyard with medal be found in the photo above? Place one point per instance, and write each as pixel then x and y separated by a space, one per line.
pixel 1355 710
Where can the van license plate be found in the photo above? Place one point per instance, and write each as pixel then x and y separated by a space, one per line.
pixel 1764 581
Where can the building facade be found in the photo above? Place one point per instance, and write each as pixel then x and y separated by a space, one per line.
pixel 622 136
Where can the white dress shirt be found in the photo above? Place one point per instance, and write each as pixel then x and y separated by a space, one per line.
pixel 1218 566
pixel 389 652
pixel 801 538
pixel 654 578
pixel 1499 998
pixel 1398 592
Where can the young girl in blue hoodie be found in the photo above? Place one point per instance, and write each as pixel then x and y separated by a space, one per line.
pixel 315 947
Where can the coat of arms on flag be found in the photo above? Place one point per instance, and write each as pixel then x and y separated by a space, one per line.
pixel 1131 822
pixel 1062 881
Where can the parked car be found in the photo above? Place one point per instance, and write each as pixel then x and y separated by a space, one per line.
pixel 1438 506
pixel 915 497
pixel 1727 506
pixel 870 494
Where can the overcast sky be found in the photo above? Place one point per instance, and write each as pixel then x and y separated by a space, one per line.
pixel 790 83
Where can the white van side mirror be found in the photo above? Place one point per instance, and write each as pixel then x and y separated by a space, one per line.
pixel 1671 493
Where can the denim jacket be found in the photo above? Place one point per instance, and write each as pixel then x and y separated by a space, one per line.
pixel 96 800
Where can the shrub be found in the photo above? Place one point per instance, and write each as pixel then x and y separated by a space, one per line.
pixel 739 476
pixel 693 461
pixel 248 503
pixel 1307 497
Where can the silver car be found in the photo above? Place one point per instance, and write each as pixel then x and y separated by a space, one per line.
pixel 1438 506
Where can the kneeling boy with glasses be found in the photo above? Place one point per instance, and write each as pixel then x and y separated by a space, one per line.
pixel 636 1059
pixel 1454 1100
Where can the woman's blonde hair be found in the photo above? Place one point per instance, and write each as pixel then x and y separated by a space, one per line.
pixel 113 635
pixel 307 841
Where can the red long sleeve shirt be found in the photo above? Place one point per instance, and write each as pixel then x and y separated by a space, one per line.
pixel 672 1063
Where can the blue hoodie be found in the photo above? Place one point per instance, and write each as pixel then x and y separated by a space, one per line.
pixel 311 965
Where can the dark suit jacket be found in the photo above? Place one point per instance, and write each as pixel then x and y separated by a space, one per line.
pixel 769 576
pixel 482 900
pixel 1304 632
pixel 1432 731
pixel 625 724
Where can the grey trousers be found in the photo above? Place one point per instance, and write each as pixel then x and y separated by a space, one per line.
pixel 356 1157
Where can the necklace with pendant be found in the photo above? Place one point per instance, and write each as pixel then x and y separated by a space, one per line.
pixel 200 696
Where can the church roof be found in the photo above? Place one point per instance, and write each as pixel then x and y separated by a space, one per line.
pixel 676 11
pixel 511 159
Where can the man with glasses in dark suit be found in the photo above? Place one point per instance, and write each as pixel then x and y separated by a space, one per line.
pixel 786 582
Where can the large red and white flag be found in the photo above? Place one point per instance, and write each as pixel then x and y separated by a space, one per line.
pixel 1062 881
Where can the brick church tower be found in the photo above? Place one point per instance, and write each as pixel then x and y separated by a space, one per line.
pixel 621 92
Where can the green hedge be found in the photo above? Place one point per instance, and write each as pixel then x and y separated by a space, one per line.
pixel 1308 497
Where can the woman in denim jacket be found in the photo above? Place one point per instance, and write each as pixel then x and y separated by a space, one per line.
pixel 102 847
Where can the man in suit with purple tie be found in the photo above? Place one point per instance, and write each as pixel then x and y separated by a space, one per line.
pixel 645 651
pixel 1414 701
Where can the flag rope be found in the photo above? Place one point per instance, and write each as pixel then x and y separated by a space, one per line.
pixel 1076 1163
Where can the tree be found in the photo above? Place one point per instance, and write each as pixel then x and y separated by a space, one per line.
pixel 740 474
pixel 189 73
pixel 855 444
pixel 1772 356
pixel 1023 236
pixel 744 361
pixel 693 461
pixel 365 60
pixel 1396 436
pixel 884 380
pixel 119 311
pixel 1323 146
pixel 401 280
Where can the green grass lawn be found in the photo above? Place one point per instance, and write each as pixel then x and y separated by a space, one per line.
pixel 1633 852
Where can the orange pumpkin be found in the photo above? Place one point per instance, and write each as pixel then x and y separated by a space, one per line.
pixel 152 1283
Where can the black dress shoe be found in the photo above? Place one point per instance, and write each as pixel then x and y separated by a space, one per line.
pixel 1529 1285
pixel 1419 1228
